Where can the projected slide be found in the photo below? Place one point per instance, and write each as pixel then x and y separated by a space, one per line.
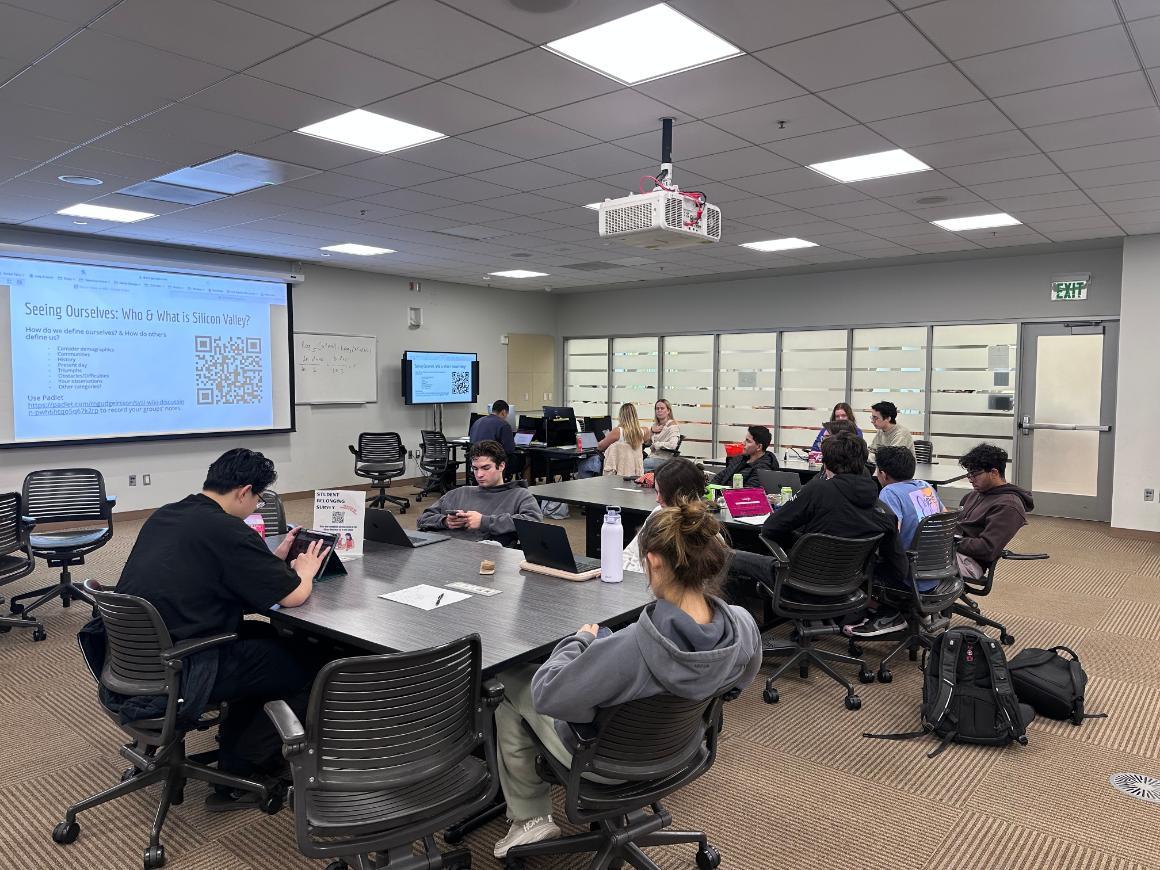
pixel 99 352
pixel 438 378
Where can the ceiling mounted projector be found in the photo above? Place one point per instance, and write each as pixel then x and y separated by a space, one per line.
pixel 665 218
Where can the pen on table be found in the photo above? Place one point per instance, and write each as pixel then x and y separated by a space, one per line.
pixel 440 598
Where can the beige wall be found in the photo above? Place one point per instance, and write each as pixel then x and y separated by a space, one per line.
pixel 531 371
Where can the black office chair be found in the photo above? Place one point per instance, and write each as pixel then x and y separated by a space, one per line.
pixel 923 451
pixel 652 747
pixel 598 426
pixel 16 559
pixel 435 461
pixel 385 756
pixel 381 457
pixel 65 495
pixel 931 557
pixel 968 607
pixel 140 659
pixel 773 481
pixel 273 513
pixel 823 579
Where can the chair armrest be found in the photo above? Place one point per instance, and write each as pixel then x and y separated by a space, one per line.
pixel 585 733
pixel 492 693
pixel 27 523
pixel 289 729
pixel 1022 557
pixel 110 501
pixel 195 645
pixel 775 551
pixel 353 452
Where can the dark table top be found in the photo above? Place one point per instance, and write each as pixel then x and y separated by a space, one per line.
pixel 938 473
pixel 524 622
pixel 562 452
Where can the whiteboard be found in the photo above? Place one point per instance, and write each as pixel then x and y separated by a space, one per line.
pixel 334 369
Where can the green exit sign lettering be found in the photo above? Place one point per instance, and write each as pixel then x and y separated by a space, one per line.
pixel 1067 288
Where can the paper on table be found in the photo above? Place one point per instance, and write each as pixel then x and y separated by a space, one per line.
pixel 629 488
pixel 424 596
pixel 753 521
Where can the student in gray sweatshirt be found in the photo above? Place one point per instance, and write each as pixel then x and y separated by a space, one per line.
pixel 483 512
pixel 687 643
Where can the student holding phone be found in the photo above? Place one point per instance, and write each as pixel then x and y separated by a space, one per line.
pixel 202 567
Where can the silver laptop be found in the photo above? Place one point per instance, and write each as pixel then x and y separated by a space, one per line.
pixel 383 528
pixel 587 440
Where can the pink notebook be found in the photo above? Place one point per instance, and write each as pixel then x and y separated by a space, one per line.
pixel 750 505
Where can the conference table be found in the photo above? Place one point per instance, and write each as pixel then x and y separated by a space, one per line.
pixel 531 613
pixel 532 450
pixel 635 503
pixel 935 473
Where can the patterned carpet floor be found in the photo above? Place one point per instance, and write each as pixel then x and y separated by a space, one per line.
pixel 794 786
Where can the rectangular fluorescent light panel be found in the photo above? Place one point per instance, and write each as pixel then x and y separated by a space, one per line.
pixel 104 213
pixel 977 222
pixel 519 273
pixel 358 250
pixel 235 173
pixel 867 166
pixel 371 132
pixel 779 245
pixel 163 192
pixel 649 44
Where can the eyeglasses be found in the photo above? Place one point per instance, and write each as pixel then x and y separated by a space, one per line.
pixel 971 475
pixel 261 504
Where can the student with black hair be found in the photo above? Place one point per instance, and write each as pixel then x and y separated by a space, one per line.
pixel 495 427
pixel 203 568
pixel 992 513
pixel 754 456
pixel 891 433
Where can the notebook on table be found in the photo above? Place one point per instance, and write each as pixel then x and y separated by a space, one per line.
pixel 747 505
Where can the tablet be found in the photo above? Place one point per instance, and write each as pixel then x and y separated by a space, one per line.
pixel 302 542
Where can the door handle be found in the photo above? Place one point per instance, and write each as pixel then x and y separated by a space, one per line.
pixel 1027 426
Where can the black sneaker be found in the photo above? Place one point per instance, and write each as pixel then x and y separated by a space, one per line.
pixel 227 800
pixel 881 623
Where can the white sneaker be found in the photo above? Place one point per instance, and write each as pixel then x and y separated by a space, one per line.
pixel 529 831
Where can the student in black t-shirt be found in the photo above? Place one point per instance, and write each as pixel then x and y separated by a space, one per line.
pixel 203 568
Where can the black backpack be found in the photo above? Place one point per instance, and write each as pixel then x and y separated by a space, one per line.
pixel 967 694
pixel 1052 684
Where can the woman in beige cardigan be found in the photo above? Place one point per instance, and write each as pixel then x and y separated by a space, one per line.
pixel 663 437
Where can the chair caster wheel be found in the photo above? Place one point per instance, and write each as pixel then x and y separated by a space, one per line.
pixel 338 865
pixel 154 857
pixel 128 773
pixel 15 609
pixel 865 676
pixel 460 859
pixel 853 702
pixel 66 832
pixel 770 696
pixel 855 650
pixel 884 675
pixel 707 857
pixel 40 634
pixel 1006 639
pixel 4 629
pixel 272 804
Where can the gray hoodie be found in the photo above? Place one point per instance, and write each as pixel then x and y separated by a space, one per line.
pixel 498 504
pixel 664 652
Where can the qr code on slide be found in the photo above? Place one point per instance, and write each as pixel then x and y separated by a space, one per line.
pixel 460 383
pixel 228 370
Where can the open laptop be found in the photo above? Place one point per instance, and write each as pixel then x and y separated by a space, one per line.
pixel 586 440
pixel 383 528
pixel 747 505
pixel 547 545
pixel 524 437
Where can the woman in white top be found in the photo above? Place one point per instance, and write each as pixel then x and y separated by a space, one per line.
pixel 677 481
pixel 663 437
pixel 629 437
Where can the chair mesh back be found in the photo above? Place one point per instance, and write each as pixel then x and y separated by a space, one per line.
pixel 62 495
pixel 381 447
pixel 828 565
pixel 136 638
pixel 395 719
pixel 273 513
pixel 934 546
pixel 10 514
pixel 651 731
pixel 436 450
pixel 923 451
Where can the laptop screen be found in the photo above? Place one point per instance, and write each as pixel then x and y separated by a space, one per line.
pixel 746 502
pixel 524 438
pixel 586 440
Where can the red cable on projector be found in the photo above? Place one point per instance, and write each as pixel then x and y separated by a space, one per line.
pixel 695 195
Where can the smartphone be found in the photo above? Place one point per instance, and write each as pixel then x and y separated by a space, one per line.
pixel 302 542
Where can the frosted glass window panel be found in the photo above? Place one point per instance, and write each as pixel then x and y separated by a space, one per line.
pixel 746 378
pixel 973 388
pixel 889 365
pixel 688 385
pixel 1068 373
pixel 635 374
pixel 586 376
pixel 813 380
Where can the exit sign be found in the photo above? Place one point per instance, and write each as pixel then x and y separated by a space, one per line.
pixel 1069 287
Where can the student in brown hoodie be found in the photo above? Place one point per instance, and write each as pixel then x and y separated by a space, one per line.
pixel 992 513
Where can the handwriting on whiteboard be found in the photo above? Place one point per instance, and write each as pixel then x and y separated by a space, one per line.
pixel 330 353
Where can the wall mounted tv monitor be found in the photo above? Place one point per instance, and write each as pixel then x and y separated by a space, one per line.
pixel 109 353
pixel 440 377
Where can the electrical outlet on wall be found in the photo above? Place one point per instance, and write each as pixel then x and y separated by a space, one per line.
pixel 146 480
pixel 1149 494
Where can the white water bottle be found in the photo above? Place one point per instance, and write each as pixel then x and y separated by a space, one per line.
pixel 612 547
